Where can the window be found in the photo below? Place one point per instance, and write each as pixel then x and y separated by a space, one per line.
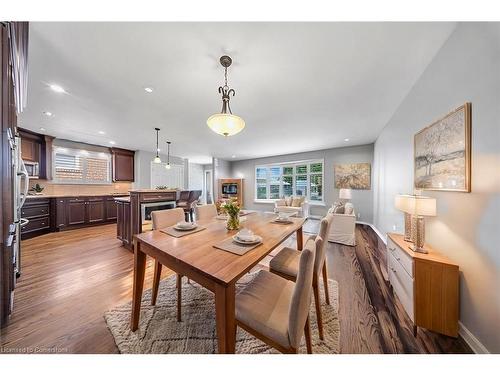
pixel 72 166
pixel 303 178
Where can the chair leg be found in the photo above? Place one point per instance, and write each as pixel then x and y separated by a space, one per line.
pixel 156 282
pixel 325 283
pixel 307 334
pixel 318 310
pixel 191 215
pixel 179 297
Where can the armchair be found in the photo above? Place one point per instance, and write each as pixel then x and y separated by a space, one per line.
pixel 342 229
pixel 296 205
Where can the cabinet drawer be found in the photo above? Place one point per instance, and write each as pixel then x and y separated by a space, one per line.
pixel 401 256
pixel 36 224
pixel 35 211
pixel 402 284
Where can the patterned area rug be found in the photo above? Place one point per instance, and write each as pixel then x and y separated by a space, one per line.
pixel 159 331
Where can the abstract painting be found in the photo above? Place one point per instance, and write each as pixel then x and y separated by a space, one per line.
pixel 442 153
pixel 353 176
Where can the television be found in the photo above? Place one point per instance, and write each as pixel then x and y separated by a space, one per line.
pixel 229 188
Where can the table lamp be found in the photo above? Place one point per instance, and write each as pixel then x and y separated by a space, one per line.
pixel 345 194
pixel 419 207
pixel 402 203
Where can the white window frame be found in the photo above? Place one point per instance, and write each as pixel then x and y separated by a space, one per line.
pixel 85 154
pixel 292 164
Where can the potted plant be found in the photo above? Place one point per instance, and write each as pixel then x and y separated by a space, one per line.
pixel 37 188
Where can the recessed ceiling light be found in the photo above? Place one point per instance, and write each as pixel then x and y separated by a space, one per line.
pixel 57 88
pixel 233 156
pixel 346 140
pixel 148 90
pixel 42 129
pixel 112 142
pixel 47 113
pixel 101 132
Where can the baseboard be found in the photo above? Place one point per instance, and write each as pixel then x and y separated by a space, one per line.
pixel 471 340
pixel 379 234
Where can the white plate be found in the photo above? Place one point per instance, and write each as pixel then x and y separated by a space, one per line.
pixel 194 226
pixel 258 239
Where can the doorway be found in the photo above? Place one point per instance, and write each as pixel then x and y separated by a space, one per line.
pixel 208 184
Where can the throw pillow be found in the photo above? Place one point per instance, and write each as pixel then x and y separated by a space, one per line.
pixel 349 209
pixel 288 200
pixel 296 201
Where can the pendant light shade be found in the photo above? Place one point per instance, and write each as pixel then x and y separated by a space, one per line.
pixel 225 123
pixel 157 159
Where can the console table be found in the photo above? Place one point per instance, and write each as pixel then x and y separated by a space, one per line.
pixel 426 285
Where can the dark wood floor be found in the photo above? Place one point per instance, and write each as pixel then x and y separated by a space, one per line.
pixel 71 278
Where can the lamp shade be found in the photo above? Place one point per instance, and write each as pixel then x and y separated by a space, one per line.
pixel 416 205
pixel 345 194
pixel 225 124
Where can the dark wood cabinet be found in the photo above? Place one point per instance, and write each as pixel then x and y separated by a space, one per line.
pixel 123 227
pixel 123 164
pixel 111 209
pixel 60 209
pixel 38 213
pixel 30 150
pixel 95 210
pixel 76 211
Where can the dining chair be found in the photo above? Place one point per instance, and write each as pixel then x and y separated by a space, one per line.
pixel 276 310
pixel 285 264
pixel 207 211
pixel 163 219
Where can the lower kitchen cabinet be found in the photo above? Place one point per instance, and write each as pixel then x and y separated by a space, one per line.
pixel 62 213
pixel 123 223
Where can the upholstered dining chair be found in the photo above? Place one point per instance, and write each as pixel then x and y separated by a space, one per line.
pixel 276 310
pixel 163 219
pixel 285 264
pixel 207 211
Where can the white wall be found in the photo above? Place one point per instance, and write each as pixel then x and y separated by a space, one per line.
pixel 362 199
pixel 195 176
pixel 467 228
pixel 142 165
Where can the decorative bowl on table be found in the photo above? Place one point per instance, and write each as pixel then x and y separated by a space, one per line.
pixel 247 237
pixel 185 225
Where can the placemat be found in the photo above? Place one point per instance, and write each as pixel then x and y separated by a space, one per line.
pixel 233 247
pixel 282 222
pixel 180 233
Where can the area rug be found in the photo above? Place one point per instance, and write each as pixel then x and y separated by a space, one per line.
pixel 159 331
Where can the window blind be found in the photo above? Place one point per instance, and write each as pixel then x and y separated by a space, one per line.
pixel 81 167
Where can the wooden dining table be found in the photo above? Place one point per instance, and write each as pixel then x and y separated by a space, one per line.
pixel 217 270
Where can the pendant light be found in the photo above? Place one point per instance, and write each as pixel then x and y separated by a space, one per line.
pixel 168 155
pixel 157 159
pixel 225 123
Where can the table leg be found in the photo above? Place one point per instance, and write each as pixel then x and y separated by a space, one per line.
pixel 225 320
pixel 300 239
pixel 139 271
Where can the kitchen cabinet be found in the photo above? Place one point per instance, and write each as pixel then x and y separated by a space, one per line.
pixel 111 208
pixel 76 211
pixel 60 218
pixel 95 209
pixel 123 227
pixel 123 165
pixel 29 149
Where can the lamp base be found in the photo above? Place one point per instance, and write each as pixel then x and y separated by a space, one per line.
pixel 408 227
pixel 418 234
pixel 418 249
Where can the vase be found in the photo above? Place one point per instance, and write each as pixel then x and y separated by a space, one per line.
pixel 233 222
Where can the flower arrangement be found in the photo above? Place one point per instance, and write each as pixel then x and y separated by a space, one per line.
pixel 232 209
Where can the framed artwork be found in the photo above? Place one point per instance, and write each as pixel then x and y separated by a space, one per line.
pixel 442 153
pixel 353 176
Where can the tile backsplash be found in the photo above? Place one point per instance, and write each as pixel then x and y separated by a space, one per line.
pixel 69 189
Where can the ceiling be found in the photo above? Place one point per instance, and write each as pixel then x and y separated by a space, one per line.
pixel 299 86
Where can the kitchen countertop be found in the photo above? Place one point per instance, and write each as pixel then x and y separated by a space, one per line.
pixel 76 195
pixel 122 199
pixel 154 191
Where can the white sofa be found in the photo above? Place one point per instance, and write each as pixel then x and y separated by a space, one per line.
pixel 302 210
pixel 343 228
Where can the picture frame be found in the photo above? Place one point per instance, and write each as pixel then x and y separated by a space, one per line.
pixel 442 153
pixel 355 176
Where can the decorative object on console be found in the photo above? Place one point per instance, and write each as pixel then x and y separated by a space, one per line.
pixel 402 203
pixel 225 123
pixel 157 159
pixel 442 153
pixel 419 207
pixel 353 176
pixel 168 155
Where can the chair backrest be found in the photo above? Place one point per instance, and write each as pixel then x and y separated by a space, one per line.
pixel 324 229
pixel 167 218
pixel 301 297
pixel 194 195
pixel 184 195
pixel 207 211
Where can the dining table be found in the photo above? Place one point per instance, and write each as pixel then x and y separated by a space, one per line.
pixel 195 257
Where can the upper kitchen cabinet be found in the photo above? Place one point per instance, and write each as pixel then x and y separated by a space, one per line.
pixel 123 165
pixel 37 148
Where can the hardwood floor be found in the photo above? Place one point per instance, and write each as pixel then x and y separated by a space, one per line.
pixel 71 278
